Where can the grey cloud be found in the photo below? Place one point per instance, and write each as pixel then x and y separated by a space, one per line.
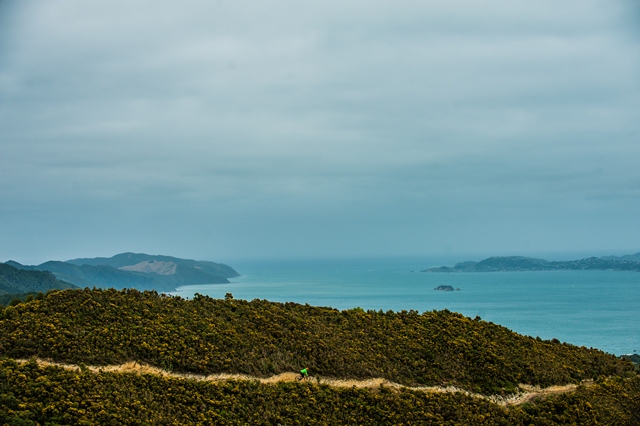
pixel 271 124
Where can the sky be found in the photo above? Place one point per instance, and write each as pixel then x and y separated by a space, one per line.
pixel 284 129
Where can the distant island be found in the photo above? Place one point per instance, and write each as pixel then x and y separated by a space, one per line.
pixel 519 263
pixel 131 270
pixel 446 288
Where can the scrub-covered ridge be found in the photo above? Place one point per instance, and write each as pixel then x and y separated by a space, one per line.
pixel 261 338
pixel 31 394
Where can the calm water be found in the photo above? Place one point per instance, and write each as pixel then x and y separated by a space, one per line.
pixel 591 308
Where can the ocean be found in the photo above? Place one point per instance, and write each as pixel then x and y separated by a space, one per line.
pixel 597 309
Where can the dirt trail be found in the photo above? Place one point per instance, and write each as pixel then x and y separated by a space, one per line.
pixel 526 394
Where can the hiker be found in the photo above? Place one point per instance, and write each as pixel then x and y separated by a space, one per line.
pixel 304 373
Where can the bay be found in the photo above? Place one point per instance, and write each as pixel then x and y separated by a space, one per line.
pixel 585 308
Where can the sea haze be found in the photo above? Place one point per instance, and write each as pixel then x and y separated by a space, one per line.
pixel 586 308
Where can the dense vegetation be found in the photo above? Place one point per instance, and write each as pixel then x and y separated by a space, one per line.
pixel 261 338
pixel 634 358
pixel 32 395
pixel 14 299
pixel 15 281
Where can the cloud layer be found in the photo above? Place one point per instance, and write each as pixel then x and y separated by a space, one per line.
pixel 246 128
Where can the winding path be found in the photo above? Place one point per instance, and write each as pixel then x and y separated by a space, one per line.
pixel 527 393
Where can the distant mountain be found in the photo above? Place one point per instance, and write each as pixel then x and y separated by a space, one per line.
pixel 14 280
pixel 629 257
pixel 120 261
pixel 519 263
pixel 132 270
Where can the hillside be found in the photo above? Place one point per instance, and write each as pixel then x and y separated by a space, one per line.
pixel 127 260
pixel 14 281
pixel 140 271
pixel 260 338
pixel 30 393
pixel 630 257
pixel 520 263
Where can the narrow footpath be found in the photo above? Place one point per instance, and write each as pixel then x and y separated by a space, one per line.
pixel 527 393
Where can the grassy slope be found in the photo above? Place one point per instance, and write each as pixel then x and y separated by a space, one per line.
pixel 263 338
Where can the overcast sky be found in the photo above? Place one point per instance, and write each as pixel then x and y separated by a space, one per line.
pixel 230 129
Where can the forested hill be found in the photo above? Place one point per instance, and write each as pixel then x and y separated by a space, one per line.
pixel 136 270
pixel 14 281
pixel 261 338
pixel 520 263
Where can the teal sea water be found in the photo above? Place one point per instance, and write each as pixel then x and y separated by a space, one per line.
pixel 586 308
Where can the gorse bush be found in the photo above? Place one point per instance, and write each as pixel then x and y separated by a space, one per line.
pixel 262 338
pixel 31 395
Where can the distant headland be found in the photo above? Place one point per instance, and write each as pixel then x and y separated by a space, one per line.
pixel 629 262
pixel 128 270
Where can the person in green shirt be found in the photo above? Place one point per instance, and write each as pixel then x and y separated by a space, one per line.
pixel 304 373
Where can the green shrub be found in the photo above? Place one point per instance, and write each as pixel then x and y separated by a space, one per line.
pixel 261 338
